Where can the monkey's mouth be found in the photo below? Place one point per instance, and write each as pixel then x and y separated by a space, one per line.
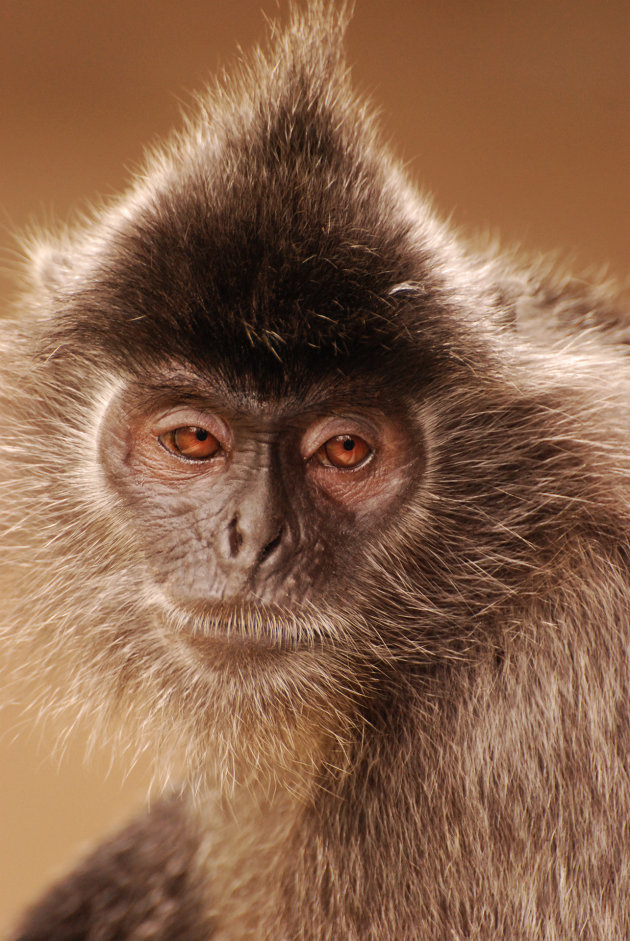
pixel 247 624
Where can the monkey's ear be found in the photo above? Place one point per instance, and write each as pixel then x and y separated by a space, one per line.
pixel 51 267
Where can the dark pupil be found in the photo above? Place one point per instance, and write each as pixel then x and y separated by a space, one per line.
pixel 348 444
pixel 201 435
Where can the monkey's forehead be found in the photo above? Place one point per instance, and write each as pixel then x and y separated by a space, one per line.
pixel 262 323
pixel 265 395
pixel 209 356
pixel 270 293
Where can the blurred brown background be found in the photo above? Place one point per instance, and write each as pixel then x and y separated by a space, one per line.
pixel 514 115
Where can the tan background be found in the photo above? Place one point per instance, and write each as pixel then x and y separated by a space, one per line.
pixel 515 115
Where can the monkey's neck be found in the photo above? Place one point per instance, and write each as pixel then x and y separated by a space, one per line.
pixel 243 858
pixel 273 850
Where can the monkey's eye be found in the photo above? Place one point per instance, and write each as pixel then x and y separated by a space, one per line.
pixel 344 451
pixel 190 442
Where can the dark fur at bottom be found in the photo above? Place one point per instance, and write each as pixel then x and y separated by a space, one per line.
pixel 138 885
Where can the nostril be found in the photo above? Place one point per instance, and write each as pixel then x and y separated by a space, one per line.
pixel 235 538
pixel 270 547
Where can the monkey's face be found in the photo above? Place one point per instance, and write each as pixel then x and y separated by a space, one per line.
pixel 253 512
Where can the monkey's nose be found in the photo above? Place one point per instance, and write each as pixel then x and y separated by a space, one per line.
pixel 253 540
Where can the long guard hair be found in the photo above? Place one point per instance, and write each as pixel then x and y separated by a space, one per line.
pixel 453 761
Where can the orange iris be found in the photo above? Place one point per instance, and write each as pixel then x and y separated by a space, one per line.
pixel 344 451
pixel 191 442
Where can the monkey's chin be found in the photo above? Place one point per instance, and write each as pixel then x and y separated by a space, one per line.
pixel 246 627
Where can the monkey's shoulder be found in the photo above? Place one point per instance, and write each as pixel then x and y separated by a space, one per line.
pixel 138 884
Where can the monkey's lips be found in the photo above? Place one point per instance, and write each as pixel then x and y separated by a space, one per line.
pixel 249 624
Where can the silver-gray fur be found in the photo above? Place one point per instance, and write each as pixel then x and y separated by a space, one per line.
pixel 416 725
